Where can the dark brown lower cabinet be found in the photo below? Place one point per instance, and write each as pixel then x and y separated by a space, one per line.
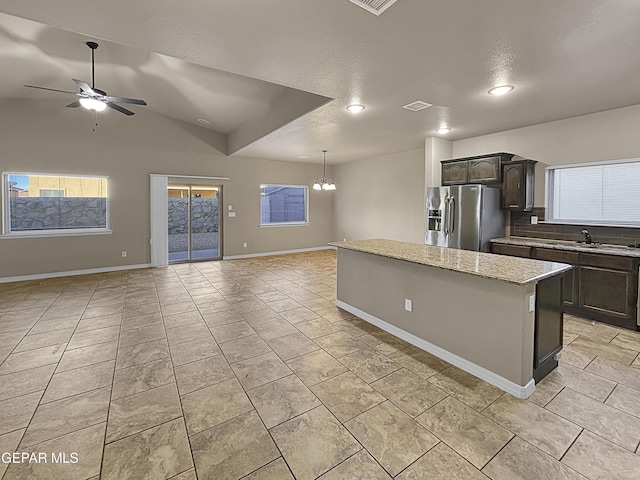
pixel 600 286
pixel 572 258
pixel 606 291
pixel 608 288
pixel 548 326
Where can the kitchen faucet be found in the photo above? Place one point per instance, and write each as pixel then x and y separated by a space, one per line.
pixel 587 237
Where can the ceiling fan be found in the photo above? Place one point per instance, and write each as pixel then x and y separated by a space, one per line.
pixel 93 98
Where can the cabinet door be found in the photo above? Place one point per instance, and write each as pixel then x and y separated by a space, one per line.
pixel 518 185
pixel 513 186
pixel 455 173
pixel 485 170
pixel 548 326
pixel 572 258
pixel 608 294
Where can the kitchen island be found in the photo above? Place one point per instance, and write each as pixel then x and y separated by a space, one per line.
pixel 496 317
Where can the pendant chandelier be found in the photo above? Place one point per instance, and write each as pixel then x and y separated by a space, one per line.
pixel 324 183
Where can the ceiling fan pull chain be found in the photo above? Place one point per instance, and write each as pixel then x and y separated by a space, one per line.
pixel 95 119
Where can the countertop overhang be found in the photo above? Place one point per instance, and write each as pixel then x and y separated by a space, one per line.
pixel 603 249
pixel 502 268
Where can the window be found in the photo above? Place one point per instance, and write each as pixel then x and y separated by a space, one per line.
pixel 605 193
pixel 51 192
pixel 283 205
pixel 45 204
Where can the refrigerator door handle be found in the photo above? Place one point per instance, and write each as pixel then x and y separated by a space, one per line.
pixel 452 213
pixel 445 222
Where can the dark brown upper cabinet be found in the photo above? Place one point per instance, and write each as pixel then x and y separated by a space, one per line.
pixel 518 185
pixel 455 172
pixel 483 169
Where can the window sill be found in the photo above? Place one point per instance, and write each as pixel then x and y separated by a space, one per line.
pixel 53 234
pixel 298 224
pixel 589 224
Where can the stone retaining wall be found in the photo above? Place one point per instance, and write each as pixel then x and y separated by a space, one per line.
pixel 205 215
pixel 52 213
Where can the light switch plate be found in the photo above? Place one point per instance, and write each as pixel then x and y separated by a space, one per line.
pixel 534 219
pixel 232 214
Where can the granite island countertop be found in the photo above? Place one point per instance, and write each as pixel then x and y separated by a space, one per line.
pixel 604 248
pixel 519 271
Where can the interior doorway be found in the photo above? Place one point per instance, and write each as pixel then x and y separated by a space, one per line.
pixel 194 222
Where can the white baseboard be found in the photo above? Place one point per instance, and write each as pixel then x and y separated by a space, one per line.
pixel 41 276
pixel 469 367
pixel 279 252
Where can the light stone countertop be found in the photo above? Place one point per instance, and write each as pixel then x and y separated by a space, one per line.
pixel 604 249
pixel 519 271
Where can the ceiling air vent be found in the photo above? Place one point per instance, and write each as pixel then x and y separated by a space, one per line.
pixel 374 6
pixel 417 106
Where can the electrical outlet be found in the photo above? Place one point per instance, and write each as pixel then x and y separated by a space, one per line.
pixel 345 240
pixel 245 245
pixel 408 305
pixel 534 219
pixel 124 253
pixel 532 303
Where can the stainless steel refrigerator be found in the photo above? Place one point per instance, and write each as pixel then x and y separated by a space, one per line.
pixel 464 216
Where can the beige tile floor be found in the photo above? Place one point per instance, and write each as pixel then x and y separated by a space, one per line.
pixel 246 369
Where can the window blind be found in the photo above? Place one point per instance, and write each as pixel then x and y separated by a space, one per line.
pixel 607 193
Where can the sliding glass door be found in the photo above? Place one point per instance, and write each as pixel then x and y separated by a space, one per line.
pixel 194 223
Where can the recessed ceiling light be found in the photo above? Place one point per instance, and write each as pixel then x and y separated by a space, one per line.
pixel 303 156
pixel 203 121
pixel 501 90
pixel 355 108
pixel 443 130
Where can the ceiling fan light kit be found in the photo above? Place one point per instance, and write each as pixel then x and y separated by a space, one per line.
pixel 92 104
pixel 93 98
pixel 324 183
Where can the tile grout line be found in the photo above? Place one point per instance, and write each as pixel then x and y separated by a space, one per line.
pixel 184 418
pixel 106 427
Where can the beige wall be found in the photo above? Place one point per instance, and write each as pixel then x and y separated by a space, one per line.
pixel 381 197
pixel 435 150
pixel 45 137
pixel 609 135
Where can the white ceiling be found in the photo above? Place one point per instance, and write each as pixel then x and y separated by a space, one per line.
pixel 238 62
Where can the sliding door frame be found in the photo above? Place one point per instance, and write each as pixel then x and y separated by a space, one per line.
pixel 159 222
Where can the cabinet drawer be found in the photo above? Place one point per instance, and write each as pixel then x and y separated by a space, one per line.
pixel 512 250
pixel 552 255
pixel 612 262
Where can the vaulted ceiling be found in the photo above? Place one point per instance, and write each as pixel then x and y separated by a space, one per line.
pixel 274 77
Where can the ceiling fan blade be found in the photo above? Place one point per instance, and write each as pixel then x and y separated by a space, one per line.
pixel 50 89
pixel 120 109
pixel 75 104
pixel 134 101
pixel 84 86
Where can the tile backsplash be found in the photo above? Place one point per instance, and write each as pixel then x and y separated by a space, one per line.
pixel 521 227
